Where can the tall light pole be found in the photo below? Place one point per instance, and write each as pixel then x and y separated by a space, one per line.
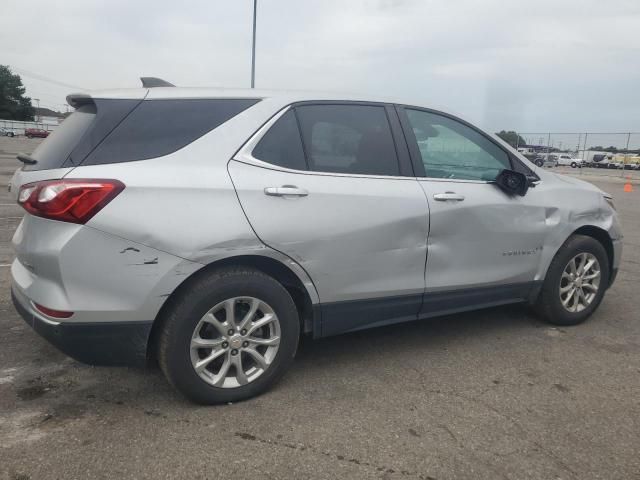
pixel 38 106
pixel 253 47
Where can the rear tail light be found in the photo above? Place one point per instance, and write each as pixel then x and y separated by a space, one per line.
pixel 74 201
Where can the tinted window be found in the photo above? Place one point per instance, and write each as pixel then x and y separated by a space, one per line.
pixel 160 127
pixel 450 149
pixel 58 146
pixel 348 139
pixel 282 145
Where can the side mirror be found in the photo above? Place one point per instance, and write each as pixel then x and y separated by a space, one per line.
pixel 513 183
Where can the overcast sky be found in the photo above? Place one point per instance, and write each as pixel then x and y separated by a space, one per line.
pixel 530 65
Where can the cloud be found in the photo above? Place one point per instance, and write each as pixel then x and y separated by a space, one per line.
pixel 528 65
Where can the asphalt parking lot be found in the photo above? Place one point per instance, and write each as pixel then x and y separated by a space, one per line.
pixel 491 394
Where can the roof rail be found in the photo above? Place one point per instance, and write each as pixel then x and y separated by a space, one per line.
pixel 152 82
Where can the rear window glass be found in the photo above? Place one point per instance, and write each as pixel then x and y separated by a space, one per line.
pixel 53 152
pixel 282 145
pixel 123 130
pixel 159 127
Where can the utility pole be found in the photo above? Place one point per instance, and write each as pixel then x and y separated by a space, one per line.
pixel 253 46
pixel 38 107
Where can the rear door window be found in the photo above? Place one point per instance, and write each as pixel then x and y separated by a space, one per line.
pixel 352 139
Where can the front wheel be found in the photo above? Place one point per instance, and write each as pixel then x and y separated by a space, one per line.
pixel 574 165
pixel 575 283
pixel 229 337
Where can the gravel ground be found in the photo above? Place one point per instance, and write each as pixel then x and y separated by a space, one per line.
pixel 491 394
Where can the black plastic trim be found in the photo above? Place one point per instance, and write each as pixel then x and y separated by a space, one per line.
pixel 454 301
pixel 347 316
pixel 402 152
pixel 105 343
pixel 614 274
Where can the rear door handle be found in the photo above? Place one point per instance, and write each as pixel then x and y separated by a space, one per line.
pixel 286 191
pixel 443 197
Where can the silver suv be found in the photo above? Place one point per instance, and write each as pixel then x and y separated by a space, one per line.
pixel 210 229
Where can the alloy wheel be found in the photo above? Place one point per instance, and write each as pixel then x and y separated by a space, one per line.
pixel 235 342
pixel 580 282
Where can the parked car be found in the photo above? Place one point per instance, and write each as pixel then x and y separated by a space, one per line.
pixel 214 246
pixel 35 133
pixel 594 158
pixel 568 160
pixel 634 162
pixel 529 153
pixel 599 160
pixel 546 160
pixel 6 133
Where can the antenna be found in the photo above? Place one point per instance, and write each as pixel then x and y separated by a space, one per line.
pixel 152 82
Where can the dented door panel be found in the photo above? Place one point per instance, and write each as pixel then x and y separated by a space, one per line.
pixel 358 237
pixel 486 238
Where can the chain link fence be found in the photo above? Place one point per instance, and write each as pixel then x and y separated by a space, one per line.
pixel 17 128
pixel 611 154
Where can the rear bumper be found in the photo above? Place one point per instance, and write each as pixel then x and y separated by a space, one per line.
pixel 105 343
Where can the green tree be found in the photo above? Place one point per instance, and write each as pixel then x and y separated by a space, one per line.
pixel 512 138
pixel 14 105
pixel 600 148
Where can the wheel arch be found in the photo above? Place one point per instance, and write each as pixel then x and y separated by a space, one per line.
pixel 601 236
pixel 304 299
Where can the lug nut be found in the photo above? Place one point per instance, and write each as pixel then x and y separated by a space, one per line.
pixel 234 352
pixel 230 332
pixel 243 331
pixel 225 344
pixel 245 344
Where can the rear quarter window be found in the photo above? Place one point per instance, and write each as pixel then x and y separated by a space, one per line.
pixel 122 130
pixel 282 145
pixel 53 152
pixel 159 127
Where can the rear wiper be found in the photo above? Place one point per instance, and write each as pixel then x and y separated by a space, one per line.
pixel 26 159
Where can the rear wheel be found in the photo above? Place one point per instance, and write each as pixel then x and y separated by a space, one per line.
pixel 229 337
pixel 575 283
pixel 29 136
pixel 574 165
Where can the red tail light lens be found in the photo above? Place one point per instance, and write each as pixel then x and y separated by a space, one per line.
pixel 74 201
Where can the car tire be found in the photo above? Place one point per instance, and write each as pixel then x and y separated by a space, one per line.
pixel 181 322
pixel 550 302
pixel 29 136
pixel 10 134
pixel 574 165
pixel 540 163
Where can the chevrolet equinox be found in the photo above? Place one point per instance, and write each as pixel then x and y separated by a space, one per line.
pixel 209 229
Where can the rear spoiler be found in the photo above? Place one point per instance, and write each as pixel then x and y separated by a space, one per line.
pixel 78 99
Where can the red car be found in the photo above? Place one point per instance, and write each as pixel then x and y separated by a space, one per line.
pixel 36 132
